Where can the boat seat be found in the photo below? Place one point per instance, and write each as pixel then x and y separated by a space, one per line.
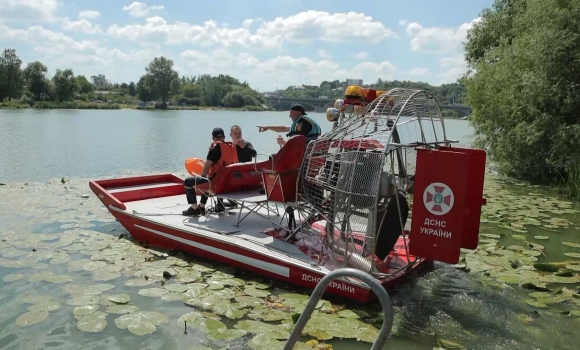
pixel 281 174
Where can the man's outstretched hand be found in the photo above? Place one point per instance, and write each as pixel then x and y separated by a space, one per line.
pixel 263 128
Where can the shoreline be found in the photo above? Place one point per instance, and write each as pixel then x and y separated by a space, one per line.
pixel 116 106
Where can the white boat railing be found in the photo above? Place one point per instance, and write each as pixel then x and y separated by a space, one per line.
pixel 381 293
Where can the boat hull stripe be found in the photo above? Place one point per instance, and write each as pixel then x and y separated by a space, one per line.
pixel 266 266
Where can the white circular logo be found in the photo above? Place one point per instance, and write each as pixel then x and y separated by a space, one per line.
pixel 438 198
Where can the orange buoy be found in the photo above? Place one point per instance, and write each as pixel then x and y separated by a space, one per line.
pixel 194 166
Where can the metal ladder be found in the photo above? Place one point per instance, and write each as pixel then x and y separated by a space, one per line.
pixel 381 293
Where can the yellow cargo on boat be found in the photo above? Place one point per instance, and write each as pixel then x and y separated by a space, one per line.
pixel 355 92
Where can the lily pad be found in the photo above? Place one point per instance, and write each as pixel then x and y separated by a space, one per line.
pixel 141 328
pixel 189 317
pixel 209 325
pixel 121 309
pixel 31 317
pixel 124 321
pixel 119 298
pixel 13 277
pixel 47 305
pixel 227 335
pixel 153 292
pixel 155 318
pixel 570 244
pixel 176 288
pixel 92 324
pixel 542 237
pixel 573 267
pixel 259 293
pixel 85 310
pixel 139 282
pixel 573 255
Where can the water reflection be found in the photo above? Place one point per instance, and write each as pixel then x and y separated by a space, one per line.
pixel 41 144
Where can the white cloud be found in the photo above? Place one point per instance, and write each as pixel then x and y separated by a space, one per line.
pixel 419 72
pixel 338 27
pixel 362 55
pixel 89 14
pixel 157 30
pixel 323 54
pixel 288 70
pixel 28 10
pixel 453 67
pixel 303 27
pixel 438 39
pixel 402 22
pixel 139 9
pixel 38 36
pixel 443 41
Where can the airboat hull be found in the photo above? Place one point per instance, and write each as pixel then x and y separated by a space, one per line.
pixel 149 207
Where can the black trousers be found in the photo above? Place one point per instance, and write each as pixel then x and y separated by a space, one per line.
pixel 189 183
pixel 192 181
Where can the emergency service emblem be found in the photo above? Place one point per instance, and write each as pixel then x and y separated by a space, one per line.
pixel 299 127
pixel 438 198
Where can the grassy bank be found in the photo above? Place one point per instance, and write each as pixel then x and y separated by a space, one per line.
pixel 60 105
pixel 105 106
pixel 569 183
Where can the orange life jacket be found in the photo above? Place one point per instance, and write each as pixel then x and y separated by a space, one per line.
pixel 229 156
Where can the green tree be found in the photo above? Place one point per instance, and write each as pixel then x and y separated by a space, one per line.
pixel 84 85
pixel 162 78
pixel 132 90
pixel 35 78
pixel 12 74
pixel 143 90
pixel 65 84
pixel 524 86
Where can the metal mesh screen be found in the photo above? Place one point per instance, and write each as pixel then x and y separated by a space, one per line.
pixel 342 170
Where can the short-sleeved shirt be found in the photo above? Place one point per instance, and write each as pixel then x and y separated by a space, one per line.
pixel 303 127
pixel 214 154
pixel 244 154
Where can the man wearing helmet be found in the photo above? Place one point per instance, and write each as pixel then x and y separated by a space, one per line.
pixel 301 125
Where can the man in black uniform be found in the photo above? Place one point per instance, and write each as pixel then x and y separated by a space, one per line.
pixel 213 156
pixel 302 124
pixel 390 225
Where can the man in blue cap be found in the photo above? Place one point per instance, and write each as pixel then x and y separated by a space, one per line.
pixel 301 125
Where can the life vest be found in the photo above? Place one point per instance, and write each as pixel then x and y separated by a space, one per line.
pixel 314 132
pixel 229 156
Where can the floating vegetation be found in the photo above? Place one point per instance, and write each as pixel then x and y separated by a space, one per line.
pixel 99 275
pixel 524 263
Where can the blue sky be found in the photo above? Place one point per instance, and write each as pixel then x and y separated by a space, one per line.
pixel 267 43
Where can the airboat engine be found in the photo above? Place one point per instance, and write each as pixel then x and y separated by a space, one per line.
pixel 348 170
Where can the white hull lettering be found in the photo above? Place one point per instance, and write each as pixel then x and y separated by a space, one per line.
pixel 333 284
pixel 435 232
pixel 436 223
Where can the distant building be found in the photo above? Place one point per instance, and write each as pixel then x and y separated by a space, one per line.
pixel 309 86
pixel 355 82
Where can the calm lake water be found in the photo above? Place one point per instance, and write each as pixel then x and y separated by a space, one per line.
pixel 39 145
pixel 54 243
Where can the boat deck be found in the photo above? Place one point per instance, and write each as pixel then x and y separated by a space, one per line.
pixel 257 231
pixel 253 232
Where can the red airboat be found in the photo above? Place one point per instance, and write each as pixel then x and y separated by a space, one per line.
pixel 314 208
